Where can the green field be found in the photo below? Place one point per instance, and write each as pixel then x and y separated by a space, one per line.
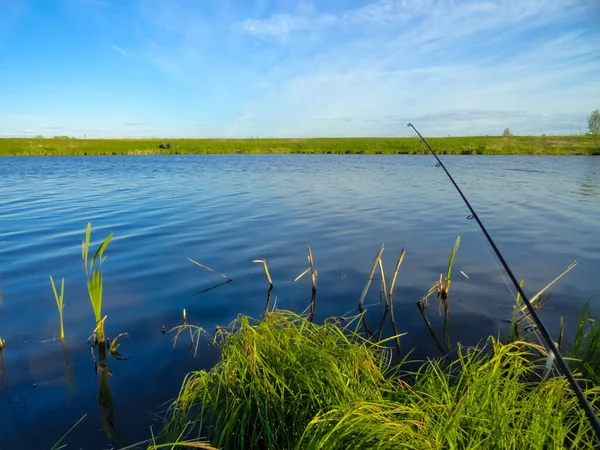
pixel 473 145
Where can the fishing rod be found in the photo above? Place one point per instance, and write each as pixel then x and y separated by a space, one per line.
pixel 585 405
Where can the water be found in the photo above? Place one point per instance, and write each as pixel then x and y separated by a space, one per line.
pixel 225 211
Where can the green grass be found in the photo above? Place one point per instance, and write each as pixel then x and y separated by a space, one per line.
pixel 487 145
pixel 286 383
pixel 60 304
pixel 93 276
pixel 586 347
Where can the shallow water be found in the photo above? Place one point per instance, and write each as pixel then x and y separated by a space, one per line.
pixel 225 211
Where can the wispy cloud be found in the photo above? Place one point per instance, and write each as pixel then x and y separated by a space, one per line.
pixel 476 65
pixel 118 49
pixel 307 68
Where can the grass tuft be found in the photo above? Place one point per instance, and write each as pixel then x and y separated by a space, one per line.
pixel 284 382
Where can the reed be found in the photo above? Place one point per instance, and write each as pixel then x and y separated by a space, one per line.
pixel 368 284
pixel 264 263
pixel 210 270
pixel 93 274
pixel 391 298
pixel 311 269
pixel 520 311
pixel 60 304
pixel 444 285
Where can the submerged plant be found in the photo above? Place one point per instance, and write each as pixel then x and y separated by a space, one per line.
pixel 60 303
pixel 93 275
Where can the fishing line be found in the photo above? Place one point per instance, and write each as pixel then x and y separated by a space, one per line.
pixel 585 405
pixel 487 249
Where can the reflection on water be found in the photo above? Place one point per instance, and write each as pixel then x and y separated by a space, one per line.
pixel 4 376
pixel 105 398
pixel 69 375
pixel 227 210
pixel 590 184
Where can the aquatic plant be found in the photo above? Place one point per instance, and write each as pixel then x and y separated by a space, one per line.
pixel 284 382
pixel 93 275
pixel 60 303
pixel 442 286
pixel 585 354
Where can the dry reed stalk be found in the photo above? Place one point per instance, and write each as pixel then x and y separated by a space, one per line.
pixel 209 269
pixel 311 269
pixel 383 284
pixel 313 272
pixel 364 293
pixel 398 264
pixel 391 300
pixel 264 262
pixel 423 300
pixel 538 296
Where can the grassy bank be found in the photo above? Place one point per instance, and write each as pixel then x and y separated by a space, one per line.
pixel 487 145
pixel 284 382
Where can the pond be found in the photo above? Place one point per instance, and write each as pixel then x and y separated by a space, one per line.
pixel 225 211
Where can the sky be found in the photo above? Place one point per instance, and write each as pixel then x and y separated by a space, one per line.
pixel 287 68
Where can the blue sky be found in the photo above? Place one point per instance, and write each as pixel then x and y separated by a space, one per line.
pixel 240 68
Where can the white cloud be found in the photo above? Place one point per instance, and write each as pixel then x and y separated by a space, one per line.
pixel 401 60
pixel 118 49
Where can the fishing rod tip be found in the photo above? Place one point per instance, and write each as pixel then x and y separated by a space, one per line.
pixel 409 124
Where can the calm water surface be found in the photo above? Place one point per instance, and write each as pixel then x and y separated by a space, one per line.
pixel 225 211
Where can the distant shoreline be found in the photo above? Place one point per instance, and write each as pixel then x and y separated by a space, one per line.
pixel 470 145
